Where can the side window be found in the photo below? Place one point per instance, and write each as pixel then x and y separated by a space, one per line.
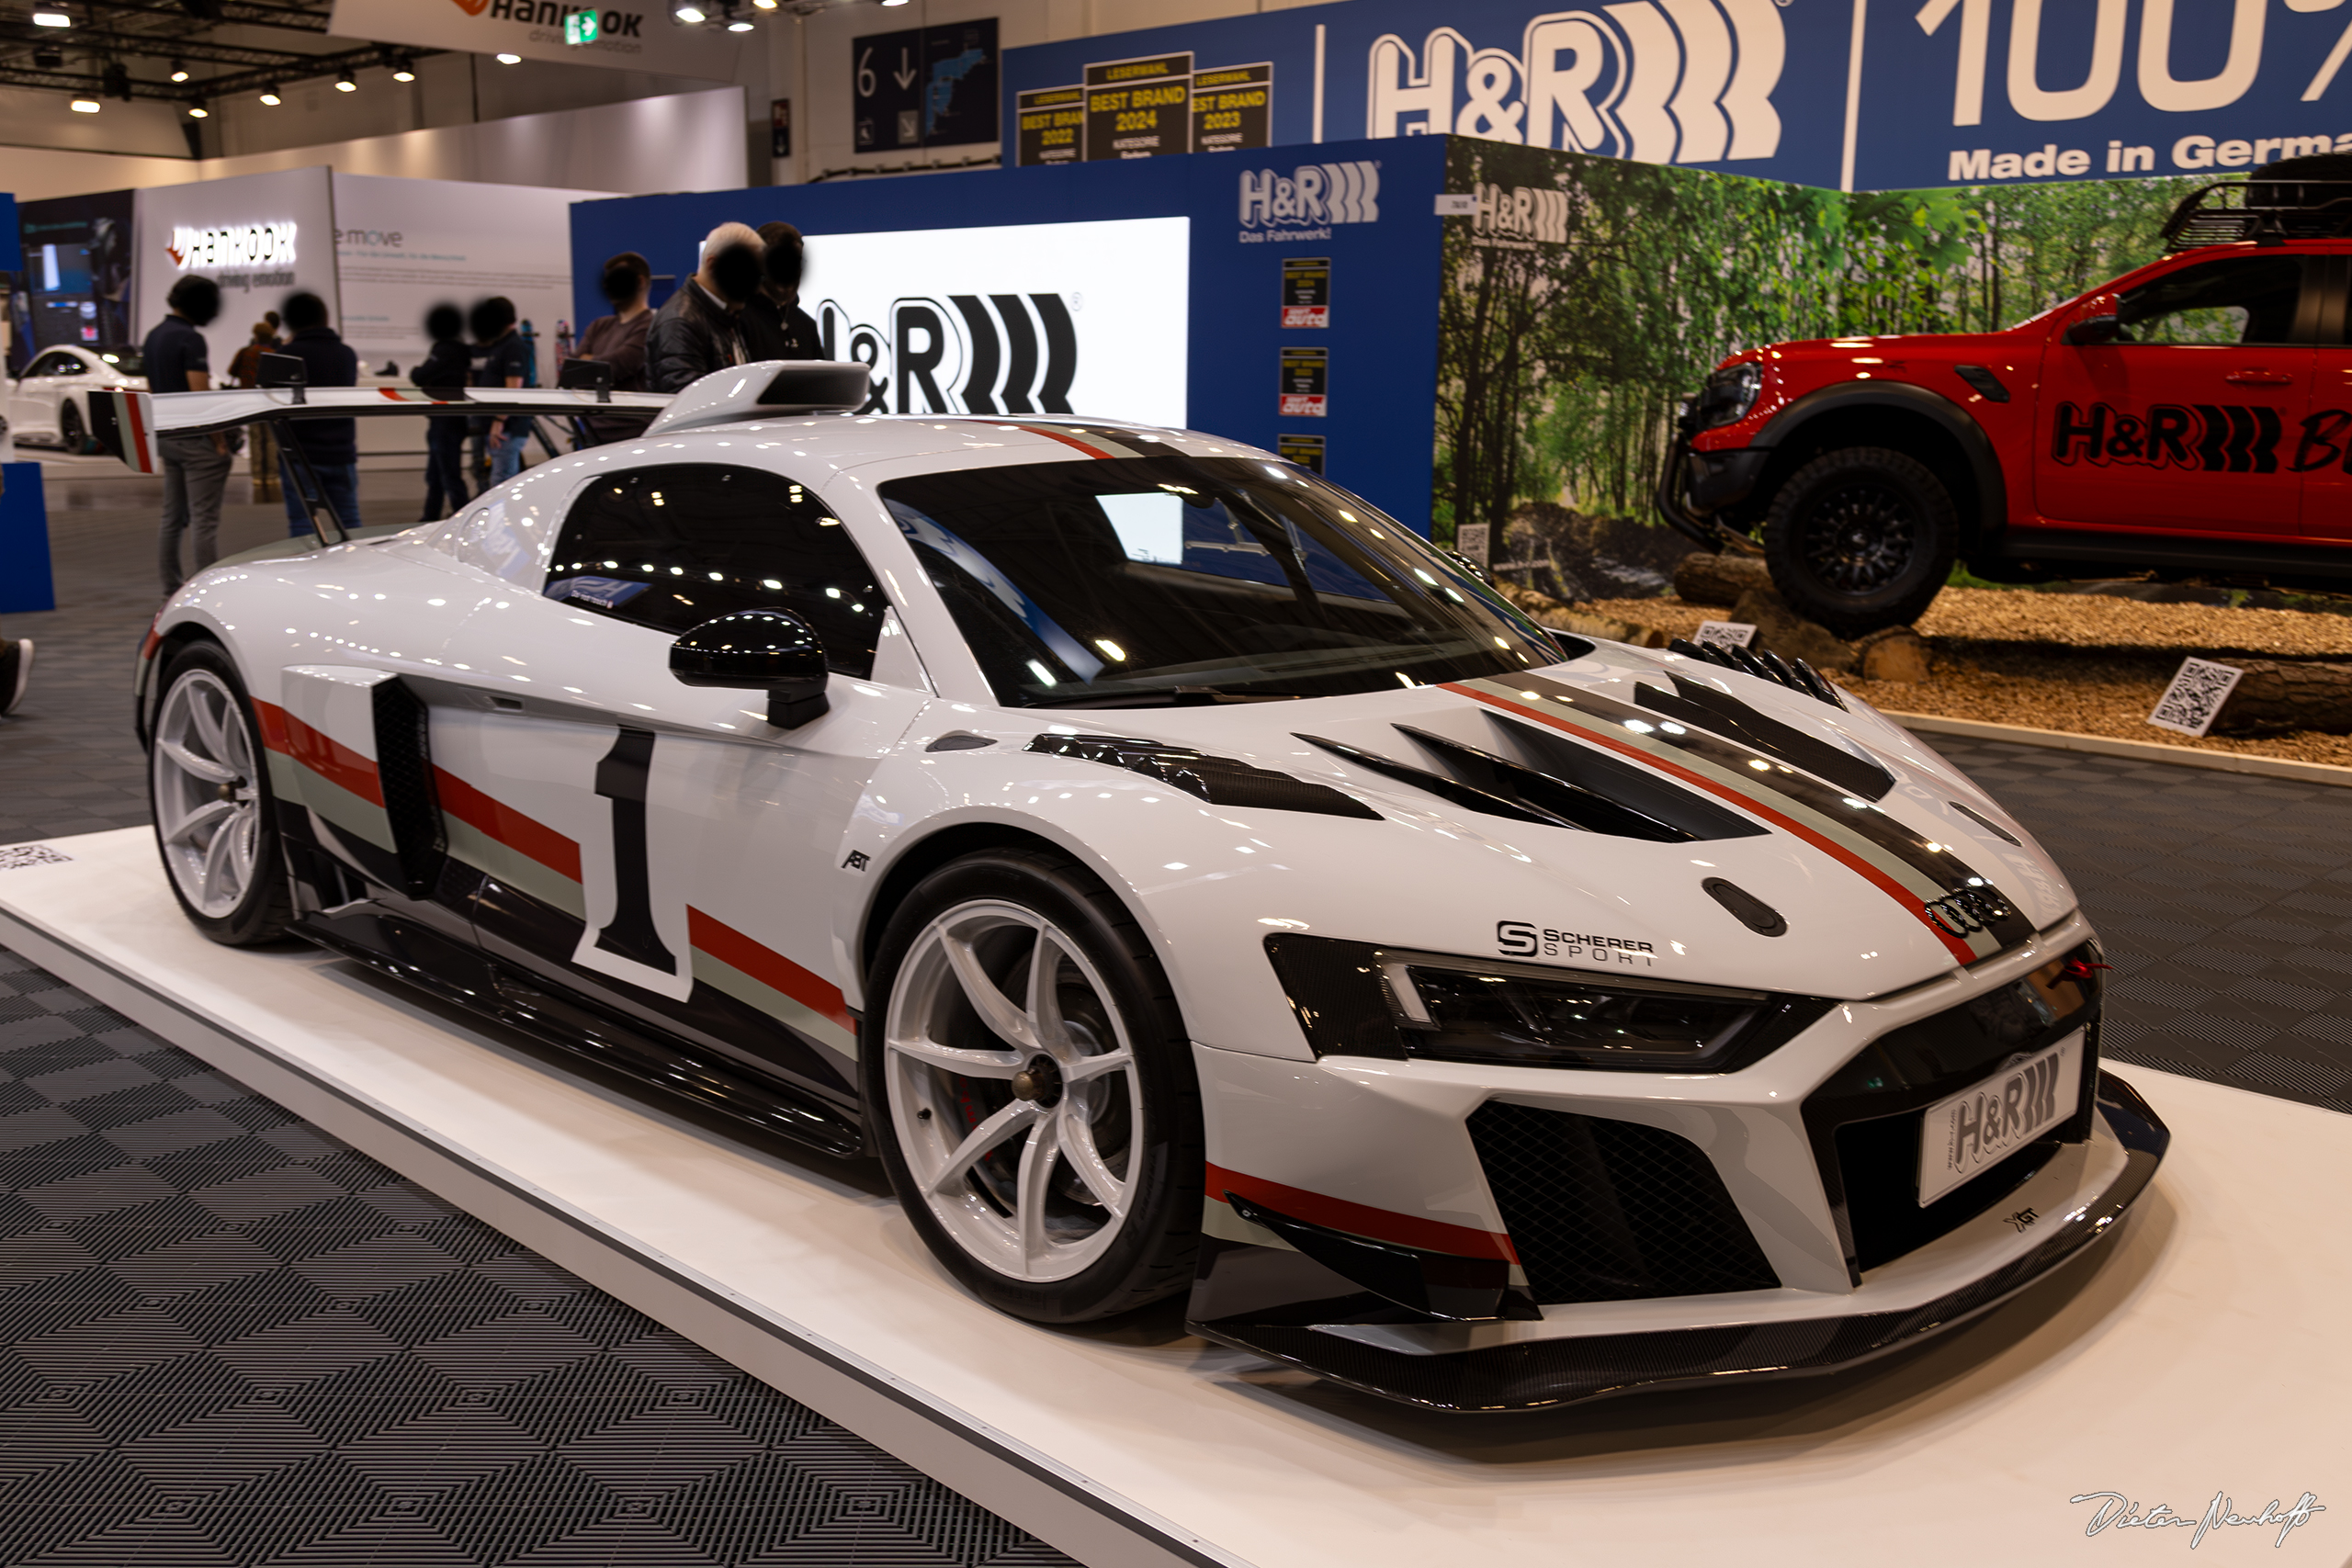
pixel 56 365
pixel 670 547
pixel 2234 299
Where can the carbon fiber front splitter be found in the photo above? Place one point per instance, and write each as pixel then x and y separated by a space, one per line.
pixel 1547 1373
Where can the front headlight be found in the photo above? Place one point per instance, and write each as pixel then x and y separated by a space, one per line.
pixel 1356 998
pixel 1730 393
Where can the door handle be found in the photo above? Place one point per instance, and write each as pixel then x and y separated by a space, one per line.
pixel 2258 379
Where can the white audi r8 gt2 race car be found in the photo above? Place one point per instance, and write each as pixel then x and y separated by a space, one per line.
pixel 1180 875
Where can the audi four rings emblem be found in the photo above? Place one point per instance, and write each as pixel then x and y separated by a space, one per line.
pixel 1970 909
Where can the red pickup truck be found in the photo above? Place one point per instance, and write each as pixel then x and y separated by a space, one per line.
pixel 2192 417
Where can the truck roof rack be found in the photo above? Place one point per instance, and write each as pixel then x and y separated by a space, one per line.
pixel 2296 199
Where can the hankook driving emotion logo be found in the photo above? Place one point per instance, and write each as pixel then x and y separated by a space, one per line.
pixel 1522 939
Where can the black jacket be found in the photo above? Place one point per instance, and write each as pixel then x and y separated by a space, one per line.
pixel 779 331
pixel 692 334
pixel 329 361
pixel 446 369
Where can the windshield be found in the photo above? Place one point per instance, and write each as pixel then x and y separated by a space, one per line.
pixel 1135 581
pixel 125 360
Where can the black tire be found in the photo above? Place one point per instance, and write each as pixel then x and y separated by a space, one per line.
pixel 1154 1252
pixel 1861 538
pixel 265 906
pixel 72 434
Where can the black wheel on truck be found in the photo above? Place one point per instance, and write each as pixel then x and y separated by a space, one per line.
pixel 1859 539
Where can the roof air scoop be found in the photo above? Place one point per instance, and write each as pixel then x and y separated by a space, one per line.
pixel 768 389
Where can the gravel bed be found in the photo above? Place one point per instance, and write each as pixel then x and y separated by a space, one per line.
pixel 2085 664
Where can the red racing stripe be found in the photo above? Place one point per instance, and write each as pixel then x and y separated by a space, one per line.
pixel 525 835
pixel 1911 902
pixel 1052 434
pixel 128 415
pixel 319 751
pixel 1358 1219
pixel 766 965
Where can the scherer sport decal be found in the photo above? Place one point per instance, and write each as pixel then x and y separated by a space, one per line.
pixel 2210 438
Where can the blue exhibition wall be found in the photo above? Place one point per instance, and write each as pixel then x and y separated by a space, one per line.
pixel 1005 291
pixel 1855 95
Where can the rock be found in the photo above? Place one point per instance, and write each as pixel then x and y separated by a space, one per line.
pixel 1896 654
pixel 1704 579
pixel 1780 630
pixel 2274 697
pixel 1546 611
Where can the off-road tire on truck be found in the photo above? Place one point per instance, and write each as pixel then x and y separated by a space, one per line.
pixel 1859 539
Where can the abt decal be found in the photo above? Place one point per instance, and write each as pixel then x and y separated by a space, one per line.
pixel 986 354
pixel 1656 81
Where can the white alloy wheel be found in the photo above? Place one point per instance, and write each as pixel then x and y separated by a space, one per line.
pixel 207 794
pixel 1014 1090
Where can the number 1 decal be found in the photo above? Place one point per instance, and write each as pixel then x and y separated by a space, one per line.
pixel 621 778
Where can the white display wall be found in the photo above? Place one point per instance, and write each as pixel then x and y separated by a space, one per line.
pixel 405 245
pixel 261 236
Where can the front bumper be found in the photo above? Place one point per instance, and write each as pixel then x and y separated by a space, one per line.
pixel 1281 1306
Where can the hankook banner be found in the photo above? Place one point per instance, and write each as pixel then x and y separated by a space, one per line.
pixel 632 35
pixel 261 237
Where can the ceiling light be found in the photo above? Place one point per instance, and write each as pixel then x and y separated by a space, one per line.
pixel 198 111
pixel 48 59
pixel 404 70
pixel 269 95
pixel 179 72
pixel 85 105
pixel 687 13
pixel 739 26
pixel 510 60
pixel 51 19
pixel 763 4
pixel 345 82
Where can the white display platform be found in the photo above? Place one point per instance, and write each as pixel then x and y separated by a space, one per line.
pixel 2202 1349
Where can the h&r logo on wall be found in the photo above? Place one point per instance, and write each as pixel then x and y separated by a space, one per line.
pixel 1304 204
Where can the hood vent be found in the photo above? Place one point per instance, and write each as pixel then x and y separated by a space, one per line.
pixel 1568 786
pixel 1719 713
pixel 1220 781
pixel 1793 673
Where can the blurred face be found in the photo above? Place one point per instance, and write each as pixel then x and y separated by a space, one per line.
pixel 735 272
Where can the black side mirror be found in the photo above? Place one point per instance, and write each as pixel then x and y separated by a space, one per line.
pixel 2092 330
pixel 770 650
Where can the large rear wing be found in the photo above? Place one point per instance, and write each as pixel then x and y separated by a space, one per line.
pixel 128 423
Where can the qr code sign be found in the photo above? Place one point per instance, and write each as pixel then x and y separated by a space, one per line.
pixel 15 857
pixel 2195 696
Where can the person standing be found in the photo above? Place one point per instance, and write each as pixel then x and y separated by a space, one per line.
pixel 261 442
pixel 619 340
pixel 331 447
pixel 502 359
pixel 775 326
pixel 444 373
pixel 701 328
pixel 195 468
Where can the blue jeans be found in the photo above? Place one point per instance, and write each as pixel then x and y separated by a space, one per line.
pixel 339 481
pixel 506 452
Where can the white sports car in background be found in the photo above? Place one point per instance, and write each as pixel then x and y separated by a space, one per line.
pixel 1181 876
pixel 49 404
